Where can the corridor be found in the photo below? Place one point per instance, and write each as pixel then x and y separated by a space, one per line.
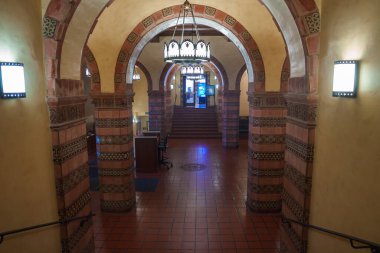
pixel 198 206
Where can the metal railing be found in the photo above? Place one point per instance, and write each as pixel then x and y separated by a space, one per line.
pixel 82 219
pixel 364 244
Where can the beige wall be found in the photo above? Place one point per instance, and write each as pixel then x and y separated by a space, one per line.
pixel 346 188
pixel 244 105
pixel 27 190
pixel 140 100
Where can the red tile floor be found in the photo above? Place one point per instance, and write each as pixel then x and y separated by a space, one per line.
pixel 191 211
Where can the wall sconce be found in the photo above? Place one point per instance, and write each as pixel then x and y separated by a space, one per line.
pixel 12 80
pixel 171 86
pixel 88 73
pixel 136 75
pixel 346 76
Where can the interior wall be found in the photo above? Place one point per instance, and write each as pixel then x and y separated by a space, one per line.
pixel 244 105
pixel 27 188
pixel 346 189
pixel 129 13
pixel 140 101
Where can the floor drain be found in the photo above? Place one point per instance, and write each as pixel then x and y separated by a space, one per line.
pixel 193 166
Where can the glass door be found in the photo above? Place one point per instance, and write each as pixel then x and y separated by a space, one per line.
pixel 188 92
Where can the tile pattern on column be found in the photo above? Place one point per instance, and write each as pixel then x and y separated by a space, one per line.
pixel 300 131
pixel 230 119
pixel 220 111
pixel 68 126
pixel 156 110
pixel 114 144
pixel 266 151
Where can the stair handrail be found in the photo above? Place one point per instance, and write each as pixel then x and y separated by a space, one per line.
pixel 83 219
pixel 374 247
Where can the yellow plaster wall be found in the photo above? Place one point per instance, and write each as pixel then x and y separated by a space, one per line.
pixel 140 88
pixel 27 188
pixel 244 105
pixel 346 188
pixel 118 20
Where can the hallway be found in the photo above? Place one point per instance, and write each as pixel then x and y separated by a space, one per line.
pixel 194 208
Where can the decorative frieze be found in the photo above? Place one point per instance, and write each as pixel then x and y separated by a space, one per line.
pixel 304 112
pixel 114 139
pixel 267 122
pixel 49 27
pixel 313 22
pixel 167 11
pixel 302 150
pixel 115 188
pixel 265 188
pixel 117 172
pixel 117 205
pixel 303 183
pixel 267 100
pixel 114 156
pixel 298 211
pixel 113 122
pixel 69 244
pixel 252 171
pixel 264 206
pixel 64 152
pixel 210 11
pixel 132 37
pixel 148 21
pixel 112 100
pixel 66 113
pixel 267 139
pixel 67 183
pixel 75 207
pixel 266 156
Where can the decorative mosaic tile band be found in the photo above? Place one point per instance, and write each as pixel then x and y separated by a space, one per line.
pixel 65 184
pixel 267 139
pixel 210 11
pixel 114 139
pixel 62 153
pixel 116 172
pixel 122 56
pixel 264 206
pixel 265 172
pixel 114 156
pixel 299 148
pixel 112 101
pixel 167 11
pixel 69 244
pixel 267 100
pixel 61 114
pixel 107 188
pixel 76 207
pixel 303 112
pixel 313 22
pixel 229 20
pixel 117 205
pixel 301 214
pixel 256 55
pixel 265 189
pixel 267 122
pixel 148 21
pixel 302 182
pixel 49 26
pixel 113 123
pixel 271 156
pixel 298 243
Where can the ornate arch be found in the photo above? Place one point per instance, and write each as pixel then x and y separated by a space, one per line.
pixel 239 77
pixel 92 66
pixel 147 74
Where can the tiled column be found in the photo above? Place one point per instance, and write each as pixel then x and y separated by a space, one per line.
pixel 300 131
pixel 168 112
pixel 267 112
pixel 68 127
pixel 156 110
pixel 114 144
pixel 219 107
pixel 230 119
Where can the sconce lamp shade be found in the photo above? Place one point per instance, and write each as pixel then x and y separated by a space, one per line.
pixel 345 78
pixel 12 80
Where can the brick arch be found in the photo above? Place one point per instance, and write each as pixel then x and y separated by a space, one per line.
pixel 240 76
pixel 285 73
pixel 219 70
pixel 146 73
pixel 92 66
pixel 137 39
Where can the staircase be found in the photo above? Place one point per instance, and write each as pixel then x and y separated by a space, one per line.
pixel 192 123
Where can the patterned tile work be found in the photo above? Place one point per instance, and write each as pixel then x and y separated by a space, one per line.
pixel 300 149
pixel 117 205
pixel 264 189
pixel 256 55
pixel 117 172
pixel 303 112
pixel 114 156
pixel 132 37
pixel 210 11
pixel 107 188
pixel 313 22
pixel 112 101
pixel 264 206
pixel 113 123
pixel 267 101
pixel 267 122
pixel 229 20
pixel 114 139
pixel 301 214
pixel 265 172
pixel 267 139
pixel 61 114
pixel 302 182
pixel 69 244
pixel 299 244
pixel 49 26
pixel 122 56
pixel 95 78
pixel 75 207
pixel 266 156
pixel 62 153
pixel 167 12
pixel 67 183
pixel 148 21
pixel 246 35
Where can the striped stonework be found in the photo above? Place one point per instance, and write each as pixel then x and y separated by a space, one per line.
pixel 230 119
pixel 156 110
pixel 114 146
pixel 299 156
pixel 266 148
pixel 168 113
pixel 68 127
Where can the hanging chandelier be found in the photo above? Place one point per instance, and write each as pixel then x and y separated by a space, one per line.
pixel 186 50
pixel 188 70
